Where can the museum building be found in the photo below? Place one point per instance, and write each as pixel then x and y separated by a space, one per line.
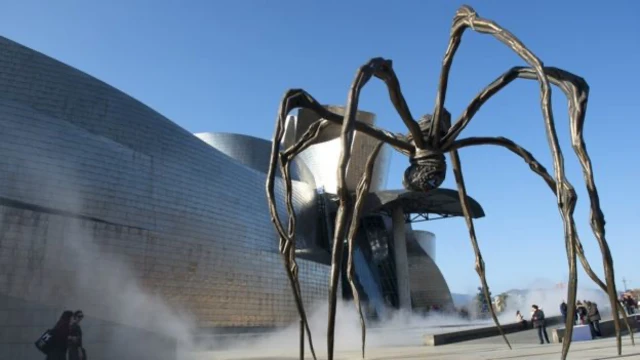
pixel 85 166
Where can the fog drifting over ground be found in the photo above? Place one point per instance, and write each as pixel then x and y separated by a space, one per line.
pixel 105 287
pixel 119 297
pixel 87 273
pixel 402 329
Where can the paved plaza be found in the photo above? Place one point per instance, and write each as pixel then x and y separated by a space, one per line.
pixel 525 346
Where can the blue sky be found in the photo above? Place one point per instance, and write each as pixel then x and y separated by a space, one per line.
pixel 224 65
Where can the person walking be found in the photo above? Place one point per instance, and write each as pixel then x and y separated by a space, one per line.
pixel 594 319
pixel 539 323
pixel 60 337
pixel 76 350
pixel 563 311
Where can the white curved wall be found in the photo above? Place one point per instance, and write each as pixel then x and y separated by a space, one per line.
pixel 322 158
pixel 427 241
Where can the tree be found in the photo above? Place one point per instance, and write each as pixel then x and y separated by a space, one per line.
pixel 482 304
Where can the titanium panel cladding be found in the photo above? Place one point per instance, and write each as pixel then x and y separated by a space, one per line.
pixel 322 157
pixel 428 286
pixel 89 174
pixel 426 240
pixel 253 152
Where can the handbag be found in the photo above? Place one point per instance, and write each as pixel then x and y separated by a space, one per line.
pixel 44 342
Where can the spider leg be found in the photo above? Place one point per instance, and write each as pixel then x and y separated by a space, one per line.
pixel 464 201
pixel 314 130
pixel 292 99
pixel 275 219
pixel 288 250
pixel 287 239
pixel 465 18
pixel 298 98
pixel 381 69
pixel 577 92
pixel 580 89
pixel 361 192
pixel 537 168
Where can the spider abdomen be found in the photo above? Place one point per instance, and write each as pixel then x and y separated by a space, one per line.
pixel 426 172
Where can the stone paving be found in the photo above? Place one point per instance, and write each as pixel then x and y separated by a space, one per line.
pixel 525 346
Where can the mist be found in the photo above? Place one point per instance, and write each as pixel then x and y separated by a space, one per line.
pixel 400 329
pixel 549 300
pixel 88 265
pixel 92 273
pixel 106 287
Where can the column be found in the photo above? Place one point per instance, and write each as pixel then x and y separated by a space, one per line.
pixel 402 262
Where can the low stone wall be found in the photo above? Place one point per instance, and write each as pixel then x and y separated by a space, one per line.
pixel 479 333
pixel 22 322
pixel 606 328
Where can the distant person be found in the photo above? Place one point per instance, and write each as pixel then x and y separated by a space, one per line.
pixel 630 304
pixel 520 319
pixel 76 350
pixel 594 319
pixel 464 313
pixel 627 304
pixel 60 337
pixel 539 323
pixel 582 312
pixel 563 311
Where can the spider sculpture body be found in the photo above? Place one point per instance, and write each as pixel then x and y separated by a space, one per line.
pixel 426 144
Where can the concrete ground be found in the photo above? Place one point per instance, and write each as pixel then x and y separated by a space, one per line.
pixel 525 346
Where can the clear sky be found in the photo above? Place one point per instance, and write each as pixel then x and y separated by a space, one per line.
pixel 223 66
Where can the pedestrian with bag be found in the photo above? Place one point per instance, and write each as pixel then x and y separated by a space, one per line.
pixel 54 341
pixel 594 319
pixel 75 350
pixel 539 323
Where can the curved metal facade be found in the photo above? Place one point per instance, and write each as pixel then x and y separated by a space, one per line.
pixel 428 286
pixel 254 153
pixel 94 181
pixel 426 240
pixel 247 150
pixel 322 158
pixel 80 159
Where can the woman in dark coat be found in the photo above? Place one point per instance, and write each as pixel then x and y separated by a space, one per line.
pixel 539 323
pixel 594 319
pixel 60 337
pixel 76 351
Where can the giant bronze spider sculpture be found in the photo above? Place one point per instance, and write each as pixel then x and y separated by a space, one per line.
pixel 425 145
